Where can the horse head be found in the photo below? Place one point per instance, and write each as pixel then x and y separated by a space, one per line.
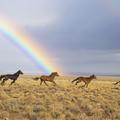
pixel 20 72
pixel 55 74
pixel 93 76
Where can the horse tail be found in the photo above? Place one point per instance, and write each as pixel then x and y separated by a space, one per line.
pixel 75 79
pixel 2 76
pixel 37 78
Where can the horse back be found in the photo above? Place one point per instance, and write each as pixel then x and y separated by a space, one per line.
pixel 44 77
pixel 84 79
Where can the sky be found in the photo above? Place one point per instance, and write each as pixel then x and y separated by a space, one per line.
pixel 82 36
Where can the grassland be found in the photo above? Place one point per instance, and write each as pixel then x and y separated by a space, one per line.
pixel 27 100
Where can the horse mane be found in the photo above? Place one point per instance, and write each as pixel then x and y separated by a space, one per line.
pixel 53 73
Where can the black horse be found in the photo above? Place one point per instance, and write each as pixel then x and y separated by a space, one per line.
pixel 12 77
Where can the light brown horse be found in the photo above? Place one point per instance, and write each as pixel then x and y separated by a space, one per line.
pixel 86 80
pixel 49 78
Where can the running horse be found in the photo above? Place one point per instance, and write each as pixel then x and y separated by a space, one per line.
pixel 49 78
pixel 86 80
pixel 12 77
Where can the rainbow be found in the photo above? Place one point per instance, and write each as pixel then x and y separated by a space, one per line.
pixel 28 46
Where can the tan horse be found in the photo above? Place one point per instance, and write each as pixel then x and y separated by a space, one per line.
pixel 86 80
pixel 49 78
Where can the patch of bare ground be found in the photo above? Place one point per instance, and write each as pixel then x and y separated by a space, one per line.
pixel 27 100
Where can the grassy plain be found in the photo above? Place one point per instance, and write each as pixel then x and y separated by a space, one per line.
pixel 27 100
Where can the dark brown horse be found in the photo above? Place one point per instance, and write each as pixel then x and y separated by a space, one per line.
pixel 86 80
pixel 12 77
pixel 49 78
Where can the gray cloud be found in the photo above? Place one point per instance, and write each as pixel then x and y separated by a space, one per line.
pixel 82 35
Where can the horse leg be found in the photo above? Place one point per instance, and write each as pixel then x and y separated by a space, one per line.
pixel 41 82
pixel 87 85
pixel 45 83
pixel 54 82
pixel 3 82
pixel 77 82
pixel 12 82
pixel 1 77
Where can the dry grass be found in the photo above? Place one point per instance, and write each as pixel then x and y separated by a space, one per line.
pixel 27 100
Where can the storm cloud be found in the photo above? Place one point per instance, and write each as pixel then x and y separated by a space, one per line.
pixel 82 35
